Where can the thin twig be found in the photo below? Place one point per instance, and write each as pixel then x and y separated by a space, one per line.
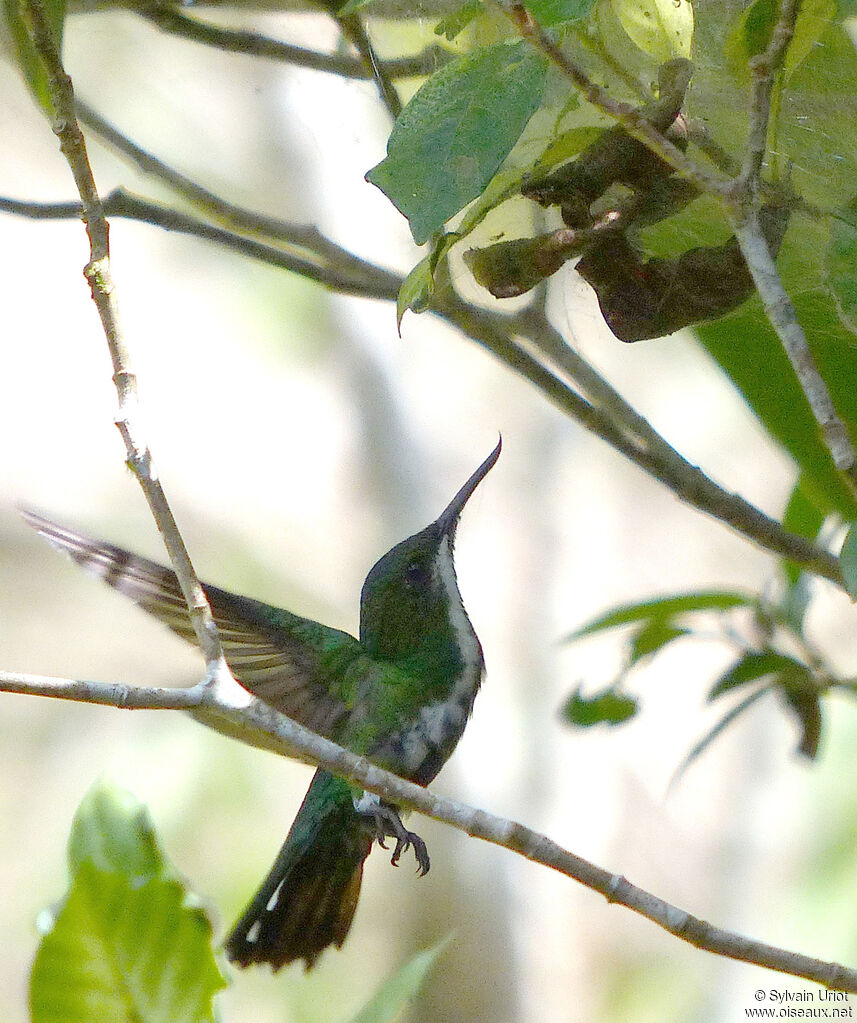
pixel 353 276
pixel 763 71
pixel 239 218
pixel 743 208
pixel 352 27
pixel 253 44
pixel 783 317
pixel 98 274
pixel 274 729
pixel 615 422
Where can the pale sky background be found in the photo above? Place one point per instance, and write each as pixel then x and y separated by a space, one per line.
pixel 299 438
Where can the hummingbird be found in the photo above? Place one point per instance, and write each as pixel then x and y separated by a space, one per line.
pixel 400 695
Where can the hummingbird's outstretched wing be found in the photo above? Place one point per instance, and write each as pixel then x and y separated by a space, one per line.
pixel 285 660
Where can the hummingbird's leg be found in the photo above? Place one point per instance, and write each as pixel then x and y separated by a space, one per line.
pixel 409 839
pixel 388 824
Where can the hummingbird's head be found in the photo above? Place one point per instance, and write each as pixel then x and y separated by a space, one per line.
pixel 407 596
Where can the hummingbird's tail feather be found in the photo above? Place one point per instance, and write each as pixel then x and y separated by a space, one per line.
pixel 308 899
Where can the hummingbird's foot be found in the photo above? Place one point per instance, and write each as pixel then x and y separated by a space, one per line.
pixel 410 840
pixel 388 824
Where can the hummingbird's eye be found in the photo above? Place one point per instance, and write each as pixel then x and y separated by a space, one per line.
pixel 416 574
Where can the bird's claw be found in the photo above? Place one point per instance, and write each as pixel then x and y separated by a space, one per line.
pixel 410 840
pixel 388 824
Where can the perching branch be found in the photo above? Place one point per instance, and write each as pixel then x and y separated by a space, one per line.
pixel 97 272
pixel 247 714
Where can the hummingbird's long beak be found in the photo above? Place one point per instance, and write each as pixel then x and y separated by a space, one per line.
pixel 448 518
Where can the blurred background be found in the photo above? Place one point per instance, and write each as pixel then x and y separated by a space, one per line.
pixel 299 438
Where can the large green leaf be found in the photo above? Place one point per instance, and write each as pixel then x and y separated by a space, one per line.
pixel 451 138
pixel 128 944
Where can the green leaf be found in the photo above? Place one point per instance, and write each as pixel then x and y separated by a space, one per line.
pixel 665 608
pixel 451 138
pixel 454 23
pixel 418 287
pixel 848 561
pixel 846 9
pixel 556 12
pixel 609 707
pixel 567 145
pixel 502 186
pixel 803 701
pixel 751 34
pixel 802 514
pixel 804 517
pixel 748 36
pixel 29 61
pixel 652 637
pixel 416 290
pixel 813 17
pixel 842 264
pixel 756 665
pixel 127 945
pixel 661 28
pixel 113 832
pixel 400 989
